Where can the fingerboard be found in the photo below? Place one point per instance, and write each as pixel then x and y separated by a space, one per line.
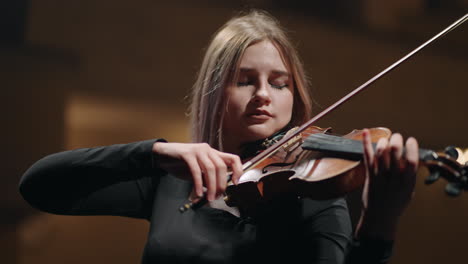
pixel 337 146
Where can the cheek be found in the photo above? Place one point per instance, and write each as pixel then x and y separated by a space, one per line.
pixel 286 104
pixel 237 102
pixel 285 108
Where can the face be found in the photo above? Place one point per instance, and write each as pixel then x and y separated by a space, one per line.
pixel 260 100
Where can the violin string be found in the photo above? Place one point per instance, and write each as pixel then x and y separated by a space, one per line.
pixel 269 151
pixel 273 148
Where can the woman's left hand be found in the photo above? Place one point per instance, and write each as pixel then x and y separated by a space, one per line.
pixel 389 186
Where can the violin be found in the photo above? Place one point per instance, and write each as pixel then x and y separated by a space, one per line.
pixel 310 162
pixel 319 165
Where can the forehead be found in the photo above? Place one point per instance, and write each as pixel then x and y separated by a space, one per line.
pixel 263 56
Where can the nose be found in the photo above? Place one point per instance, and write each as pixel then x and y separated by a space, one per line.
pixel 262 94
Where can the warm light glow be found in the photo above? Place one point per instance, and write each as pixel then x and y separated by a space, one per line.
pixel 93 120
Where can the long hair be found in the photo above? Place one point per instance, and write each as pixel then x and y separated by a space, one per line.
pixel 220 66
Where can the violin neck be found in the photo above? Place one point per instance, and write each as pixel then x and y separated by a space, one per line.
pixel 340 147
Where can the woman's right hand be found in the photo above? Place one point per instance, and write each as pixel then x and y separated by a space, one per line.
pixel 207 166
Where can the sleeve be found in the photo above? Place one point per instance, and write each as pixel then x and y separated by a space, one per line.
pixel 329 235
pixel 112 180
pixel 328 230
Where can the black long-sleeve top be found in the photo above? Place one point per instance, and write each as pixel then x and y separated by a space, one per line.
pixel 123 180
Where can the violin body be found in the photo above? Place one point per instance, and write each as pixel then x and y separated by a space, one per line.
pixel 298 172
pixel 296 166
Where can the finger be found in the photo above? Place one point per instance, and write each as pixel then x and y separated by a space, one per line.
pixel 221 173
pixel 236 165
pixel 209 175
pixel 368 151
pixel 382 154
pixel 412 155
pixel 411 166
pixel 396 152
pixel 196 174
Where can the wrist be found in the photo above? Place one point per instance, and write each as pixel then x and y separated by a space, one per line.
pixel 156 152
pixel 156 147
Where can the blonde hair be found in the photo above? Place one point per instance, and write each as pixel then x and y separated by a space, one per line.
pixel 219 67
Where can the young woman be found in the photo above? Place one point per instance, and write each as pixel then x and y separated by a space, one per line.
pixel 251 86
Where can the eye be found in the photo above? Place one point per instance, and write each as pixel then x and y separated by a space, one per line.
pixel 279 81
pixel 245 80
pixel 276 86
pixel 246 83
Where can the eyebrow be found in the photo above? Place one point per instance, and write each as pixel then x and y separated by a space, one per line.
pixel 279 72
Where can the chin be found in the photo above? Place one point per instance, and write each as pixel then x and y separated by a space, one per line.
pixel 259 132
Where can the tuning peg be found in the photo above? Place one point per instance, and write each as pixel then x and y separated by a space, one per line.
pixel 453 189
pixel 433 176
pixel 451 151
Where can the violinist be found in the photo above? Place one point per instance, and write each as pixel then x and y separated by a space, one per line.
pixel 251 87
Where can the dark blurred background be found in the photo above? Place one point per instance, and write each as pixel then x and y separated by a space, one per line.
pixel 88 73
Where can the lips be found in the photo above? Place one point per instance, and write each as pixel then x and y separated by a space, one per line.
pixel 260 114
